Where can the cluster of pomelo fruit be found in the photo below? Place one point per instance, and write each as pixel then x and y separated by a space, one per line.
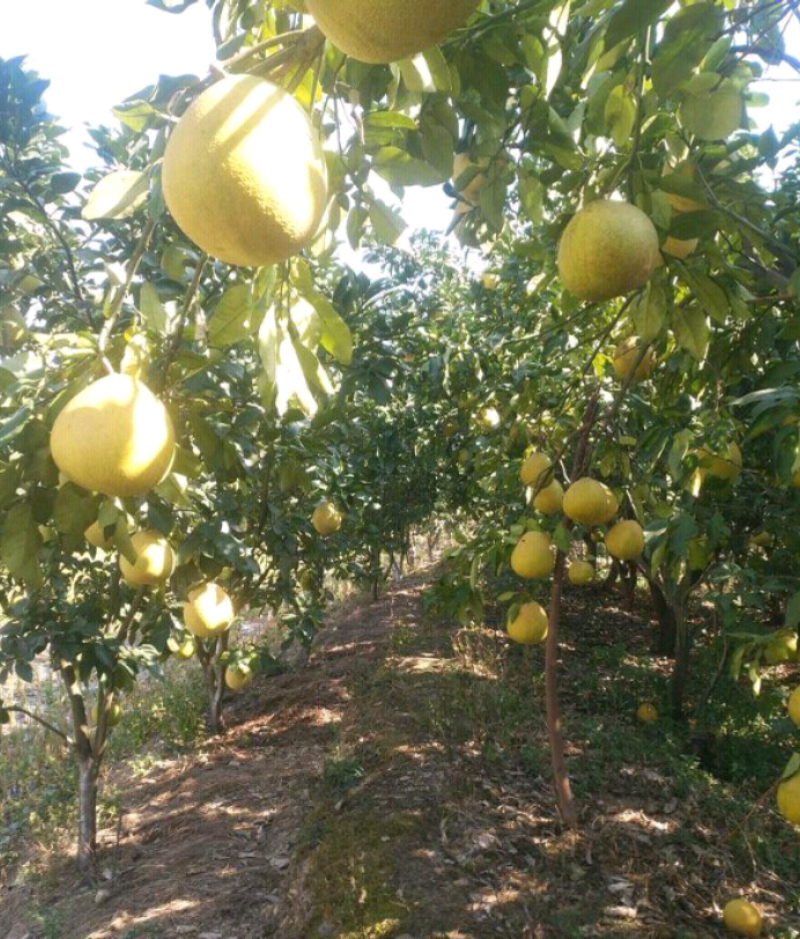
pixel 586 502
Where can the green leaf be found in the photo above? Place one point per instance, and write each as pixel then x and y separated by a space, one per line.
pixel 712 107
pixel 62 183
pixel 793 610
pixel 792 767
pixel 399 168
pixel 135 114
pixel 20 542
pixel 690 225
pixel 117 195
pixel 336 336
pixel 620 115
pixel 386 222
pixel 74 510
pixel 650 313
pixel 633 17
pixel 688 36
pixel 710 295
pixel 153 312
pixel 692 331
pixel 232 320
pixel 562 539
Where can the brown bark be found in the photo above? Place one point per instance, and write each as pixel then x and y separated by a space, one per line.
pixel 666 639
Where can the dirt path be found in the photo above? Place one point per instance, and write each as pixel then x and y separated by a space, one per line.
pixel 398 788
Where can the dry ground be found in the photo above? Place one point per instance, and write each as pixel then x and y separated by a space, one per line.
pixel 393 788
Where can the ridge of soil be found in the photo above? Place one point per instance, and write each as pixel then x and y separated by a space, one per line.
pixel 359 798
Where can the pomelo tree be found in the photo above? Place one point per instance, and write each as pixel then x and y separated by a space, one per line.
pixel 222 291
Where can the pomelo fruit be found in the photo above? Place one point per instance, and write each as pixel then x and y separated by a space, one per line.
pixel 533 555
pixel 625 541
pixel 208 612
pixel 326 519
pixel 154 560
pixel 529 626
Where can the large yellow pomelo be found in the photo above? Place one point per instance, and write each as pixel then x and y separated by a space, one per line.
pixel 533 469
pixel 380 31
pixel 244 173
pixel 236 679
pixel 326 518
pixel 794 706
pixel 114 437
pixel 608 249
pixel 726 465
pixel 789 799
pixel 626 356
pixel 625 541
pixel 589 502
pixel 113 714
pixel 154 560
pixel 742 918
pixel 529 626
pixel 209 611
pixel 533 555
pixel 580 573
pixel 549 500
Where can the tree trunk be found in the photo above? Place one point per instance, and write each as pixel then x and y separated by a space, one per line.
pixel 566 804
pixel 680 670
pixel 611 577
pixel 667 637
pixel 88 772
pixel 628 574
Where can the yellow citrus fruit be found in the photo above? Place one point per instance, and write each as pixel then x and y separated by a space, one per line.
pixel 608 249
pixel 236 679
pixel 95 535
pixel 679 248
pixel 789 799
pixel 533 468
pixel 580 573
pixel 647 713
pixel 209 611
pixel 113 715
pixel 782 648
pixel 794 705
pixel 626 357
pixel 244 173
pixel 726 466
pixel 625 541
pixel 529 626
pixel 742 918
pixel 533 555
pixel 589 502
pixel 762 539
pixel 114 437
pixel 154 560
pixel 682 203
pixel 185 649
pixel 549 500
pixel 488 419
pixel 380 31
pixel 326 518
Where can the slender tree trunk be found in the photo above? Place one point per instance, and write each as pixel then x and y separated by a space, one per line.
pixel 629 576
pixel 88 772
pixel 611 577
pixel 680 670
pixel 564 799
pixel 666 641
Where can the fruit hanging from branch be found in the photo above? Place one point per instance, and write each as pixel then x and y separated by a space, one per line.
pixel 114 437
pixel 607 250
pixel 529 625
pixel 382 31
pixel 244 174
pixel 208 612
pixel 154 562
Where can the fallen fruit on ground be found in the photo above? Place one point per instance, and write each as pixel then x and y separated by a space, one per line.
pixel 794 705
pixel 533 469
pixel 589 502
pixel 647 713
pixel 208 612
pixel 113 714
pixel 236 678
pixel 627 355
pixel 326 519
pixel 549 500
pixel 529 626
pixel 607 250
pixel 114 437
pixel 381 31
pixel 154 560
pixel 625 541
pixel 244 173
pixel 789 799
pixel 533 555
pixel 742 918
pixel 580 573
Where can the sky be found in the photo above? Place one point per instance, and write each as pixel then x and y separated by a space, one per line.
pixel 98 52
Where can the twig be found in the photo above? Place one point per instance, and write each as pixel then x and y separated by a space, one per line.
pixel 40 720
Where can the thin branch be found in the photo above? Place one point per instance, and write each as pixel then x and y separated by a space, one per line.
pixel 40 720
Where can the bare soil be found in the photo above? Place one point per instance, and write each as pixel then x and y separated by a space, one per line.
pixel 363 797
